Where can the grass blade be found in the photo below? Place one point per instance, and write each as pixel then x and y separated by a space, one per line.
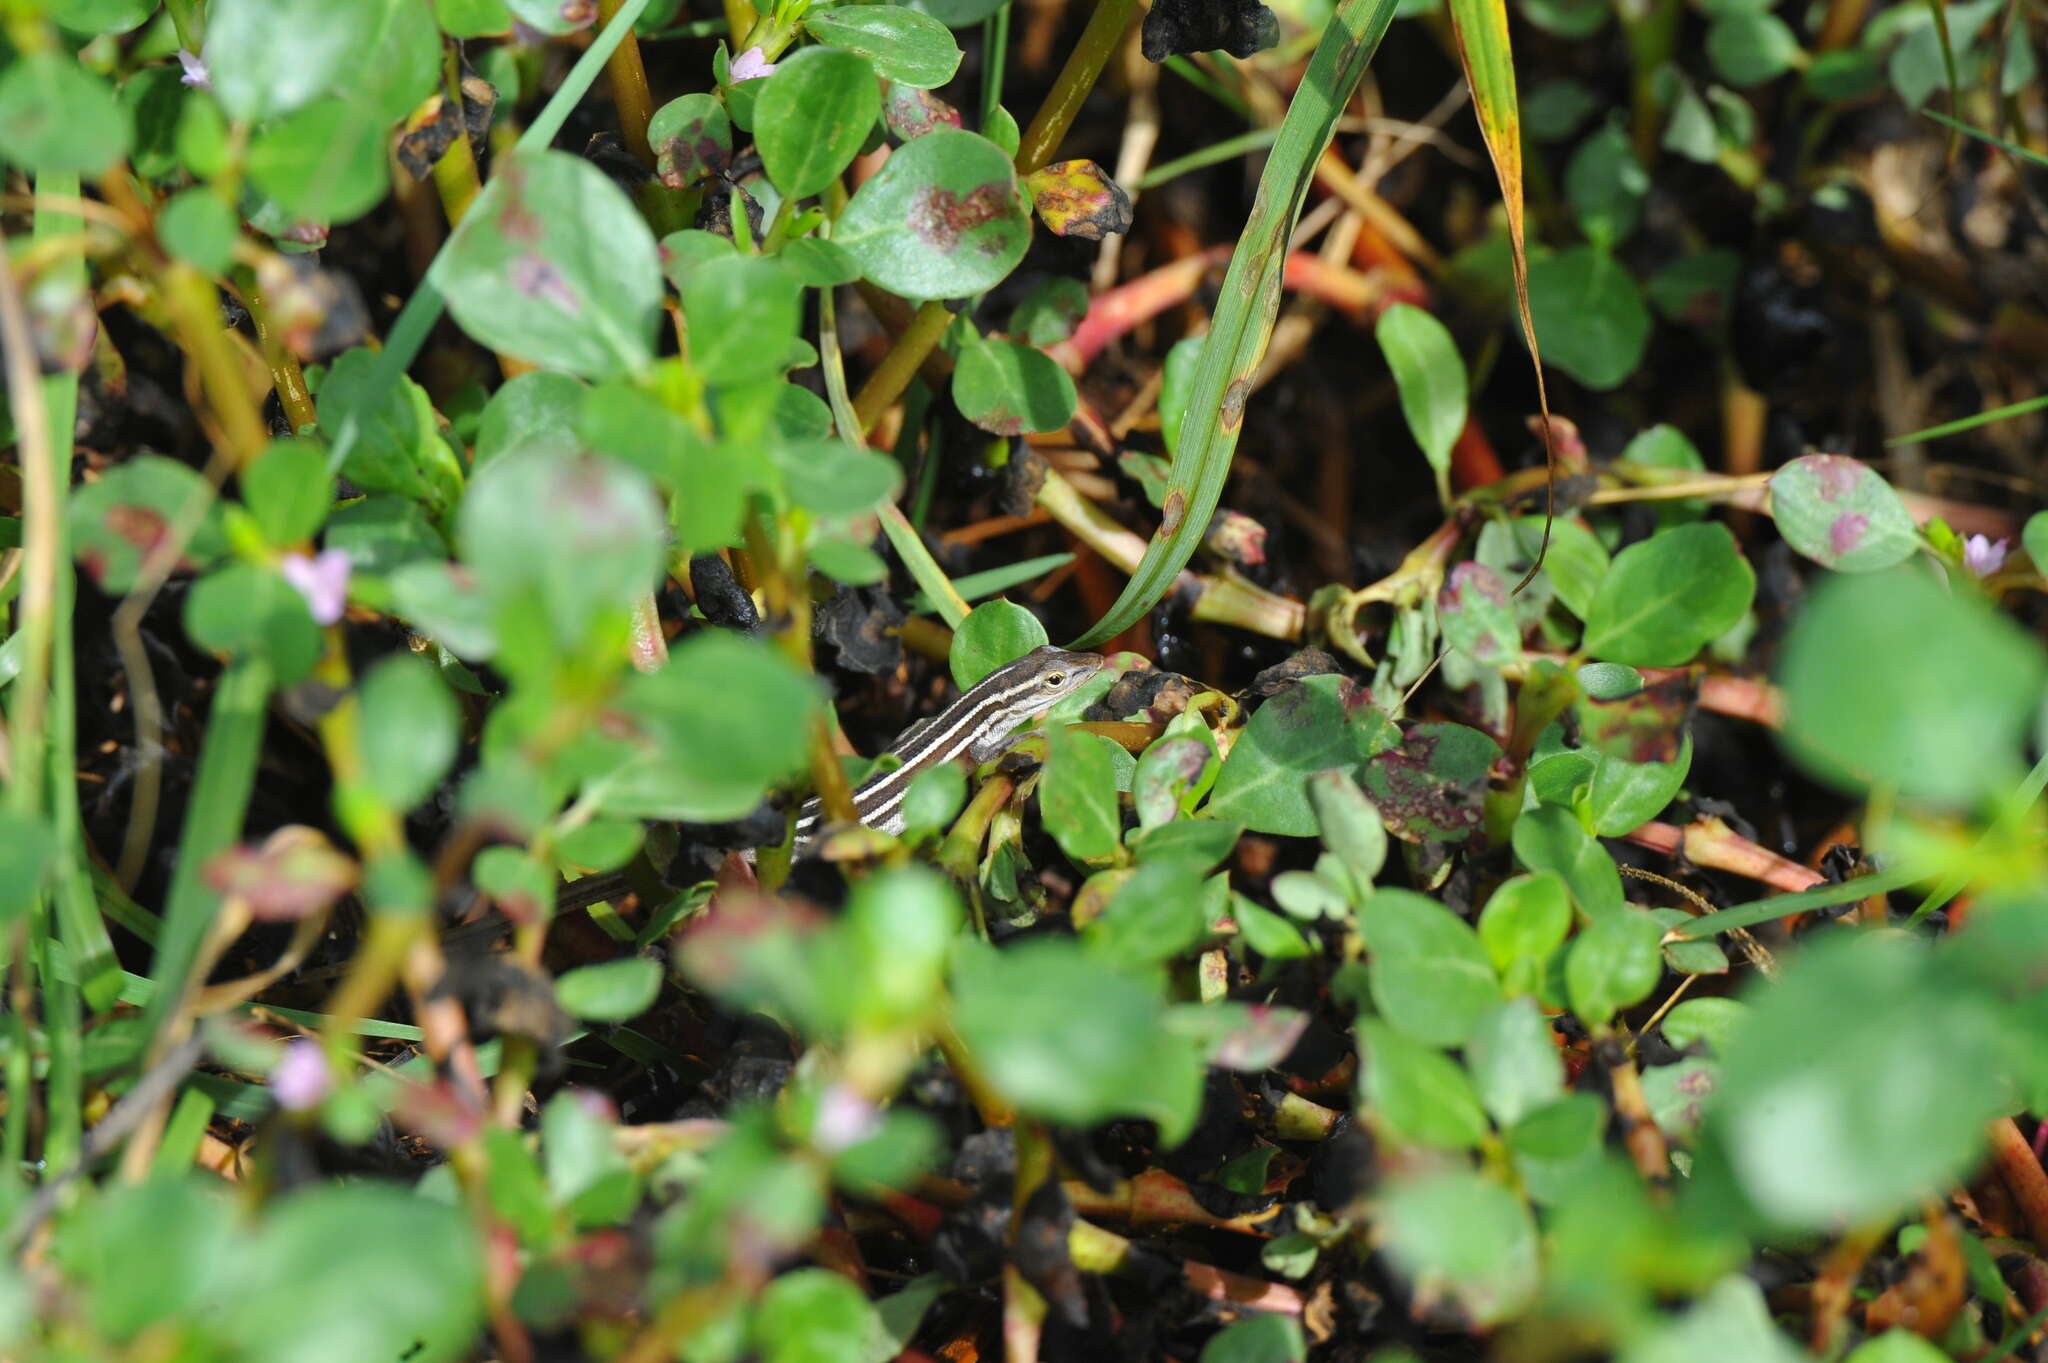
pixel 1245 313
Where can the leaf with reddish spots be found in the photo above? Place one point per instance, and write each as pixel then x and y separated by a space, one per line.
pixel 1432 788
pixel 1841 514
pixel 692 138
pixel 1244 1037
pixel 910 113
pixel 554 264
pixel 1478 615
pixel 943 218
pixel 296 873
pixel 1648 726
pixel 118 521
pixel 1078 199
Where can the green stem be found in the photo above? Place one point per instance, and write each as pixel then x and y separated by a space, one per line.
pixel 1077 78
pixel 995 46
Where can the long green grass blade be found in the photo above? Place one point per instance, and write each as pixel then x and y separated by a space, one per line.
pixel 220 802
pixel 1779 906
pixel 1245 312
pixel 1971 423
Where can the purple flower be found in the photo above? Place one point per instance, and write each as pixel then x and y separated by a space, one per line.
pixel 301 1079
pixel 1984 556
pixel 750 65
pixel 195 70
pixel 322 580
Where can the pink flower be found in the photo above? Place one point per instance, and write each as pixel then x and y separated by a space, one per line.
pixel 195 70
pixel 1984 556
pixel 750 65
pixel 301 1079
pixel 322 580
pixel 844 1119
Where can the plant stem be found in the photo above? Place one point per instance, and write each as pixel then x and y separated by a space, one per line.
pixel 1084 66
pixel 629 87
pixel 899 366
pixel 285 374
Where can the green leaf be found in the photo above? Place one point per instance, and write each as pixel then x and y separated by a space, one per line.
pixel 1430 376
pixel 813 1315
pixel 1348 824
pixel 555 265
pixel 380 535
pixel 1052 309
pixel 1825 1123
pixel 1896 1346
pixel 1514 1063
pixel 534 412
pixel 1462 1236
pixel 55 116
pixel 611 991
pixel 1524 922
pixel 1551 839
pixel 595 553
pixel 943 218
pixel 1258 1338
pixel 1606 185
pixel 2035 539
pixel 289 491
pixel 1432 787
pixel 1154 916
pixel 1554 110
pixel 1078 795
pixel 934 798
pixel 1614 963
pixel 198 227
pixel 1008 389
pixel 1176 387
pixel 1309 727
pixel 1429 975
pixel 418 1259
pixel 1609 681
pixel 101 16
pixel 1626 795
pixel 905 46
pixel 743 313
pixel 472 18
pixel 726 720
pixel 265 58
pixel 1750 48
pixel 994 634
pixel 397 447
pixel 118 521
pixel 812 118
pixel 1711 1021
pixel 1838 512
pixel 1890 679
pixel 1557 1144
pixel 833 478
pixel 323 163
pixel 1589 314
pixel 1730 1321
pixel 899 929
pixel 395 62
pixel 1666 597
pixel 408 729
pixel 1018 1012
pixel 247 611
pixel 1419 1093
pixel 147 1254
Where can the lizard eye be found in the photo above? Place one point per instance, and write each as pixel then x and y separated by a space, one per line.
pixel 1055 680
